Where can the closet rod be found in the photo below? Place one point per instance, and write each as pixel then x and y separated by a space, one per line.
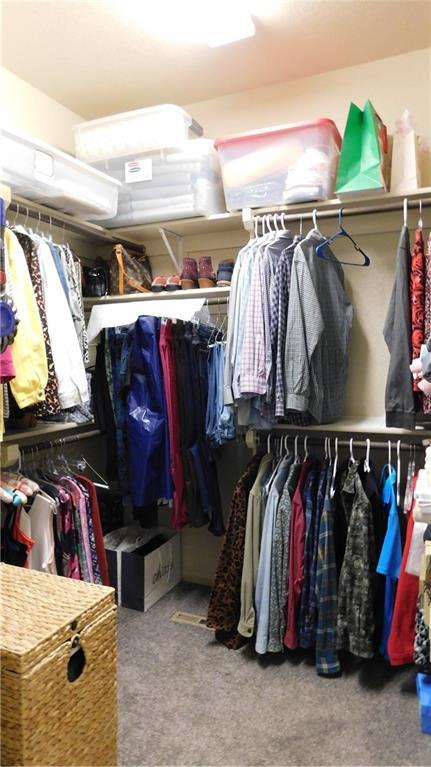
pixel 47 444
pixel 64 220
pixel 333 213
pixel 355 443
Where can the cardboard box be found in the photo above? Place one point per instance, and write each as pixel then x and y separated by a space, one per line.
pixel 142 576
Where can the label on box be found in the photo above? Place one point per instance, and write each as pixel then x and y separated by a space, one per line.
pixel 138 170
pixel 43 164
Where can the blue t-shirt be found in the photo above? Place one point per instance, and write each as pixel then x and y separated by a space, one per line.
pixel 391 554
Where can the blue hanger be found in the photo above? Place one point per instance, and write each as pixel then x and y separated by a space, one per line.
pixel 342 233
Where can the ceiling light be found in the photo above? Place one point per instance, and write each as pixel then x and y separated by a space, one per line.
pixel 211 22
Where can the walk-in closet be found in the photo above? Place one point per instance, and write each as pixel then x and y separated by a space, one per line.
pixel 215 383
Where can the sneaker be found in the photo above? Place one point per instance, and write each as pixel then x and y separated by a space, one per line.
pixel 158 284
pixel 224 273
pixel 206 277
pixel 173 282
pixel 189 275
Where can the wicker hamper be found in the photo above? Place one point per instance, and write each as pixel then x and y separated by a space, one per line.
pixel 58 670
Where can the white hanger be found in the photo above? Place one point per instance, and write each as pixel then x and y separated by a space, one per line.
pixel 268 443
pixel 334 470
pixel 367 467
pixel 352 457
pixel 420 221
pixel 325 454
pixel 296 453
pixel 305 447
pixel 389 452
pixel 300 226
pixel 405 208
pixel 314 214
pixel 329 450
pixel 398 472
pixel 286 443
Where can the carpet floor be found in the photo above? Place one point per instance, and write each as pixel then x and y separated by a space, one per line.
pixel 187 700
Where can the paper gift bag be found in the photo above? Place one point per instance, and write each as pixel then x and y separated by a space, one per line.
pixel 405 173
pixel 365 144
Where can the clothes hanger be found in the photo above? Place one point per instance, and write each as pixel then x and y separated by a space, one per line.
pixel 329 451
pixel 389 453
pixel 405 211
pixel 297 458
pixel 334 470
pixel 352 457
pixel 342 233
pixel 420 221
pixel 367 467
pixel 325 449
pixel 306 447
pixel 398 472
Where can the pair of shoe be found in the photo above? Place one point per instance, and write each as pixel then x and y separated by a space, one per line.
pixel 204 277
pixel 166 283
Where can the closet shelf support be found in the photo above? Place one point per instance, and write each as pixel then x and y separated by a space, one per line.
pixel 176 255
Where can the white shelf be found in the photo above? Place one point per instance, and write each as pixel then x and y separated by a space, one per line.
pixel 46 431
pixel 359 425
pixel 225 222
pixel 209 293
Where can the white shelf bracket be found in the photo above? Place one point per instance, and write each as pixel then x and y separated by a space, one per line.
pixel 176 255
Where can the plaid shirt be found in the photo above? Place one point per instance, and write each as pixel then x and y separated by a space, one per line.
pixel 326 591
pixel 279 302
pixel 307 633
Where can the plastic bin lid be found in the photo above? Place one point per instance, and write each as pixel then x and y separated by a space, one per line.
pixel 277 129
pixel 196 128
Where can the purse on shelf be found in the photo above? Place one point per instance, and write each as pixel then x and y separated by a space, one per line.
pixel 94 281
pixel 129 272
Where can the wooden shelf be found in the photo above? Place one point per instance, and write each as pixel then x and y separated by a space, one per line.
pixel 46 431
pixel 359 425
pixel 209 293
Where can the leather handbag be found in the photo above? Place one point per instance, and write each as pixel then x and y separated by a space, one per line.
pixel 94 281
pixel 129 273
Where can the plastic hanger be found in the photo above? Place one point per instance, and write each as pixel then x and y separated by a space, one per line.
pixel 389 453
pixel 342 233
pixel 305 447
pixel 367 467
pixel 352 457
pixel 405 211
pixel 420 220
pixel 334 470
pixel 398 472
pixel 296 451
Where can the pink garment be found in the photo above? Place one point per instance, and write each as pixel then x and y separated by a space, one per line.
pixel 179 508
pixel 7 370
pixel 426 402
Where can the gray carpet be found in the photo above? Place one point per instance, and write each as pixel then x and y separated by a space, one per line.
pixel 186 700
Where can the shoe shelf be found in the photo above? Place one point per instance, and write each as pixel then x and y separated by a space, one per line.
pixel 165 295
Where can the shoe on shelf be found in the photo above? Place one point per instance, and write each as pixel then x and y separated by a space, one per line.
pixel 173 283
pixel 206 276
pixel 224 273
pixel 189 275
pixel 159 284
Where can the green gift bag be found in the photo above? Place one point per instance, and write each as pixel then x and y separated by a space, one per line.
pixel 365 143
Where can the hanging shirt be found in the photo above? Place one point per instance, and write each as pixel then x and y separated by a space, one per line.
pixel 263 584
pixel 307 634
pixel 319 321
pixel 327 662
pixel 296 559
pixel 251 549
pixel 355 614
pixel 390 556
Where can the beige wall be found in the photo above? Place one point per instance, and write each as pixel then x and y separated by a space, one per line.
pixel 27 109
pixel 392 85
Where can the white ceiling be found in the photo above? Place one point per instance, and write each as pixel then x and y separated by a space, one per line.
pixel 95 58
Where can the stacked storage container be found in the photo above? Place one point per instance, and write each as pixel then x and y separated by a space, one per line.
pixel 41 172
pixel 167 171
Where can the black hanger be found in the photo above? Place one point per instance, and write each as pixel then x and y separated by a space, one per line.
pixel 342 233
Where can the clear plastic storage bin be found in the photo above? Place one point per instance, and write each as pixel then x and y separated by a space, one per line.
pixel 167 184
pixel 281 165
pixel 142 130
pixel 41 172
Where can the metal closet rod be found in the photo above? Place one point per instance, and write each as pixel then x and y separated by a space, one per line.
pixel 333 212
pixel 346 443
pixel 65 221
pixel 47 444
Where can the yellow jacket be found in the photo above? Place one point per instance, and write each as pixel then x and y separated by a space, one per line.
pixel 28 348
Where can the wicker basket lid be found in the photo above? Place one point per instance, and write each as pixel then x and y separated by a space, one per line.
pixel 38 612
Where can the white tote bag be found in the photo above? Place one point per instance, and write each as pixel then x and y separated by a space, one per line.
pixel 406 173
